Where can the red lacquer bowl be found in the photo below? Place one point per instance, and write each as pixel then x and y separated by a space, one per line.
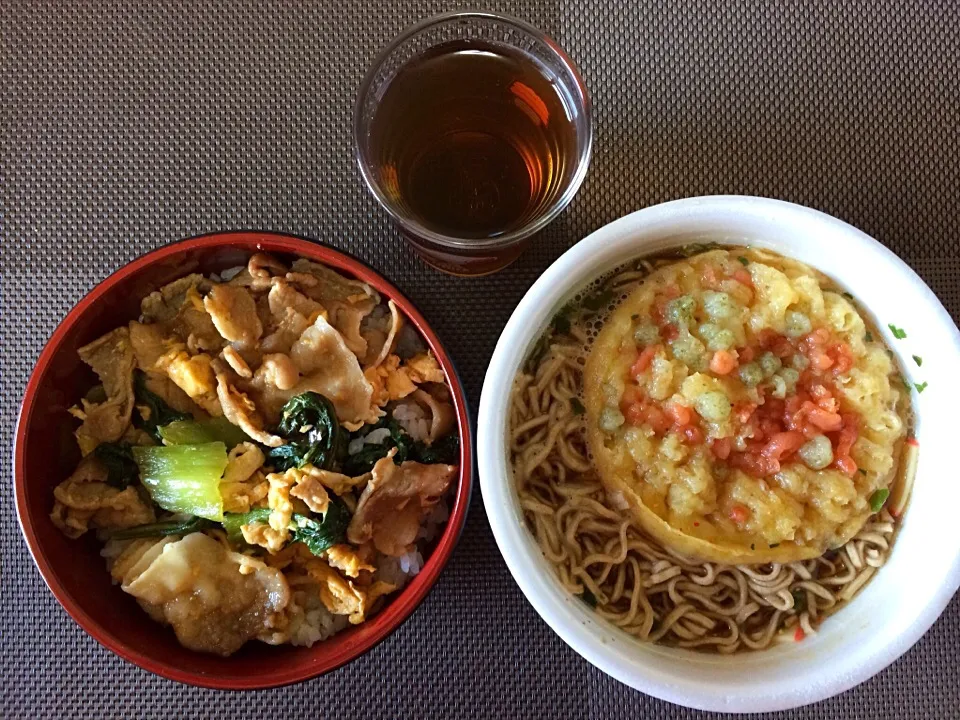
pixel 46 453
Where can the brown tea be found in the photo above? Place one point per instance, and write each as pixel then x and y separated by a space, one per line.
pixel 474 139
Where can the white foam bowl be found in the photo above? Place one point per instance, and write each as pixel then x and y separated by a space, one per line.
pixel 905 597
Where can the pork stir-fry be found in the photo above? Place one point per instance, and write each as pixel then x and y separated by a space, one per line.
pixel 266 456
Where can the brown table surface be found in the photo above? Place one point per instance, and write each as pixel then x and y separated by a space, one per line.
pixel 130 125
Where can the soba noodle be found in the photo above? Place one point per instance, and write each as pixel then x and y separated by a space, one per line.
pixel 601 554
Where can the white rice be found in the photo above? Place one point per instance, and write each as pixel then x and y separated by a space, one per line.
pixel 398 570
pixel 310 621
pixel 373 438
pixel 112 549
pixel 434 523
pixel 413 419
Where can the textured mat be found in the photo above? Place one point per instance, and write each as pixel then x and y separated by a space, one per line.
pixel 131 125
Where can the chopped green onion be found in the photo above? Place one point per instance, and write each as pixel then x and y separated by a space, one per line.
pixel 577 406
pixel 868 337
pixel 743 260
pixel 898 333
pixel 775 545
pixel 918 360
pixel 588 597
pixel 753 546
pixel 920 386
pixel 878 499
pixel 848 296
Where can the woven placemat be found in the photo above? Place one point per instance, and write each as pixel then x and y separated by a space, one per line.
pixel 128 126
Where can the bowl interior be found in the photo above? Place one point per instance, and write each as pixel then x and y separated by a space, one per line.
pixel 46 453
pixel 904 597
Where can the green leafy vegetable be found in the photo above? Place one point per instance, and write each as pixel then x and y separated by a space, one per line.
pixel 184 478
pixel 878 499
pixel 363 461
pixel 195 432
pixel 898 333
pixel 588 597
pixel 318 535
pixel 918 360
pixel 445 450
pixel 233 521
pixel 920 386
pixel 118 459
pixel 159 529
pixel 158 412
pixel 309 422
pixel 577 406
pixel 743 260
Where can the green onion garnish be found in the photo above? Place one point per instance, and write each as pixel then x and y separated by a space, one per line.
pixel 577 406
pixel 918 360
pixel 898 333
pixel 878 499
pixel 920 386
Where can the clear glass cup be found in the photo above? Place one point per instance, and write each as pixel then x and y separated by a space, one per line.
pixel 467 253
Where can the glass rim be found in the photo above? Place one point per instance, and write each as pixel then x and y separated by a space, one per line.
pixel 582 100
